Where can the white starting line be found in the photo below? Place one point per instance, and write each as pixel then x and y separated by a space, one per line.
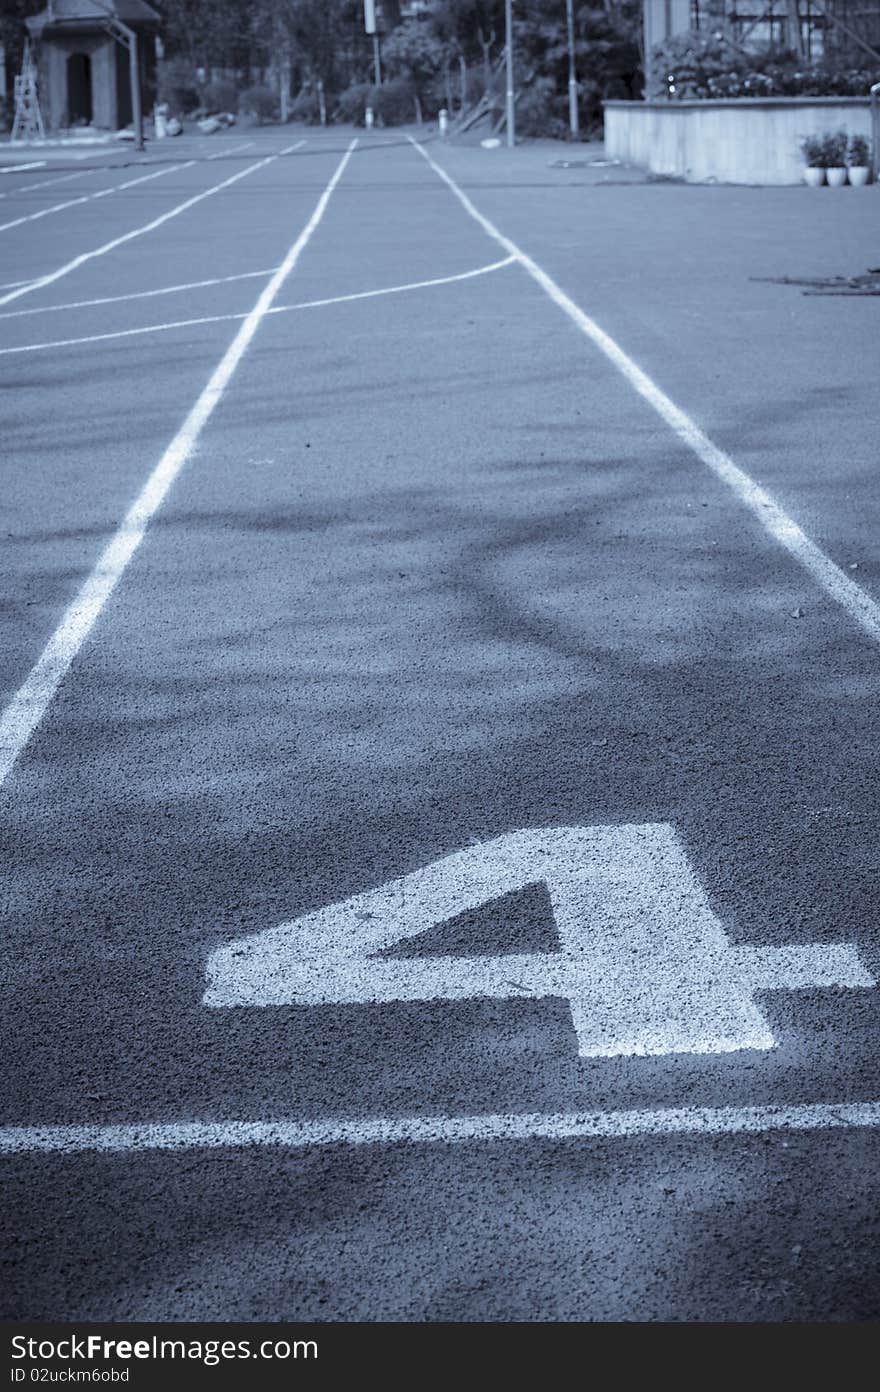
pixel 90 197
pixel 19 168
pixel 437 1130
pixel 50 277
pixel 46 183
pixel 236 149
pixel 225 318
pixel 131 295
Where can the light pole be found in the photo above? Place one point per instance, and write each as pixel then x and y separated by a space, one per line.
pixel 134 77
pixel 129 39
pixel 370 27
pixel 572 76
pixel 509 103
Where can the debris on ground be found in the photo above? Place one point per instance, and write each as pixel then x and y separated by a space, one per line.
pixel 583 163
pixel 867 284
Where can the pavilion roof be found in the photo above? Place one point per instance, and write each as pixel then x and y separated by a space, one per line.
pixel 61 14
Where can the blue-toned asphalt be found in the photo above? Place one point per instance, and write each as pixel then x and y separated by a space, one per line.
pixel 434 573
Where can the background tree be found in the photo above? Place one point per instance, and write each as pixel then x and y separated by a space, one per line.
pixel 607 60
pixel 13 14
pixel 450 49
pixel 415 51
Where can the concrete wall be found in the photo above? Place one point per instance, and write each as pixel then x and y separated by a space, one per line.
pixel 744 140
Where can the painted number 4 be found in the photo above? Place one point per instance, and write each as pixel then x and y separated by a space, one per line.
pixel 643 961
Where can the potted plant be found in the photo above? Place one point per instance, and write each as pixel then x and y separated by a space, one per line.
pixel 834 147
pixel 814 156
pixel 859 161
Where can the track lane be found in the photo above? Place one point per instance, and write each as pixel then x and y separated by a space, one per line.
pixel 782 381
pixel 82 431
pixel 430 580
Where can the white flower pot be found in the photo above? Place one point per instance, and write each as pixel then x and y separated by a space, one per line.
pixel 858 174
pixel 814 177
pixel 836 177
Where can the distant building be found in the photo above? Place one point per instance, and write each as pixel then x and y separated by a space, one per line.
pixel 84 68
pixel 842 31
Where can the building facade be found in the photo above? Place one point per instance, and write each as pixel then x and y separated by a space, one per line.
pixel 83 61
pixel 840 32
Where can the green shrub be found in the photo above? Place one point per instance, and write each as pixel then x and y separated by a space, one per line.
pixel 219 96
pixel 261 102
pixel 306 107
pixel 395 102
pixel 537 110
pixel 813 147
pixel 474 86
pixel 413 54
pixel 700 65
pixel 859 153
pixel 176 85
pixel 351 104
pixel 834 149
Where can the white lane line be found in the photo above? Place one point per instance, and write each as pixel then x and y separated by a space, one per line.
pixel 225 318
pixel 133 295
pixel 90 197
pixel 289 149
pixel 20 168
pixel 218 154
pixel 47 183
pixel 438 1130
pixel 775 520
pixel 11 284
pixel 102 250
pixel 29 704
pixel 143 178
